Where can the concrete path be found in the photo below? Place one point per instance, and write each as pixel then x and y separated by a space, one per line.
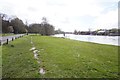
pixel 4 38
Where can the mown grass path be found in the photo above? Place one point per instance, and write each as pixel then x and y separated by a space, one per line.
pixel 61 58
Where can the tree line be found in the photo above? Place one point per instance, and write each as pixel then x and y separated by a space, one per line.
pixel 16 26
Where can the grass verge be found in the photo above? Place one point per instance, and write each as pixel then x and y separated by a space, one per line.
pixel 0 62
pixel 7 34
pixel 18 61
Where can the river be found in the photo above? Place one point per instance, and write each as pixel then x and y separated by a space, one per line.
pixel 110 40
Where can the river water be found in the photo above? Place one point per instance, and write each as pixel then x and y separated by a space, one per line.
pixel 111 40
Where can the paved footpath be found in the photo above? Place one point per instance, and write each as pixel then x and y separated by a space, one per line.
pixel 4 38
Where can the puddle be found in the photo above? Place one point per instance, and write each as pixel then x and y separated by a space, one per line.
pixel 35 51
pixel 36 56
pixel 33 48
pixel 42 71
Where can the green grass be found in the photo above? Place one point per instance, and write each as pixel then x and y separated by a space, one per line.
pixel 0 61
pixel 7 34
pixel 62 58
pixel 18 61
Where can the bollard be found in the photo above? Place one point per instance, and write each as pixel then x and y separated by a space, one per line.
pixel 12 39
pixel 7 41
pixel 0 43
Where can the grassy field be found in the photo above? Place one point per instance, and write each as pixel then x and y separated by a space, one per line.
pixel 0 62
pixel 61 58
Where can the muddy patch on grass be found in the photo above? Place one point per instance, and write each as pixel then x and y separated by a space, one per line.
pixel 35 52
pixel 32 49
pixel 42 71
pixel 36 56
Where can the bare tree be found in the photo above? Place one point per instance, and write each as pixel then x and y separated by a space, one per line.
pixel 44 20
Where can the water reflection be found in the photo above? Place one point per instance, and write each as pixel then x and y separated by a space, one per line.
pixel 111 40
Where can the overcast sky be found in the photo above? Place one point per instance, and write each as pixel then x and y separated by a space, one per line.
pixel 67 15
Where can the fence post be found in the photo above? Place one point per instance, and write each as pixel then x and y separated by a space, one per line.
pixel 0 43
pixel 7 41
pixel 12 39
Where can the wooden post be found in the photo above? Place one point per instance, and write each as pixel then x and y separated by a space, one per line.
pixel 64 34
pixel 12 39
pixel 0 43
pixel 7 41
